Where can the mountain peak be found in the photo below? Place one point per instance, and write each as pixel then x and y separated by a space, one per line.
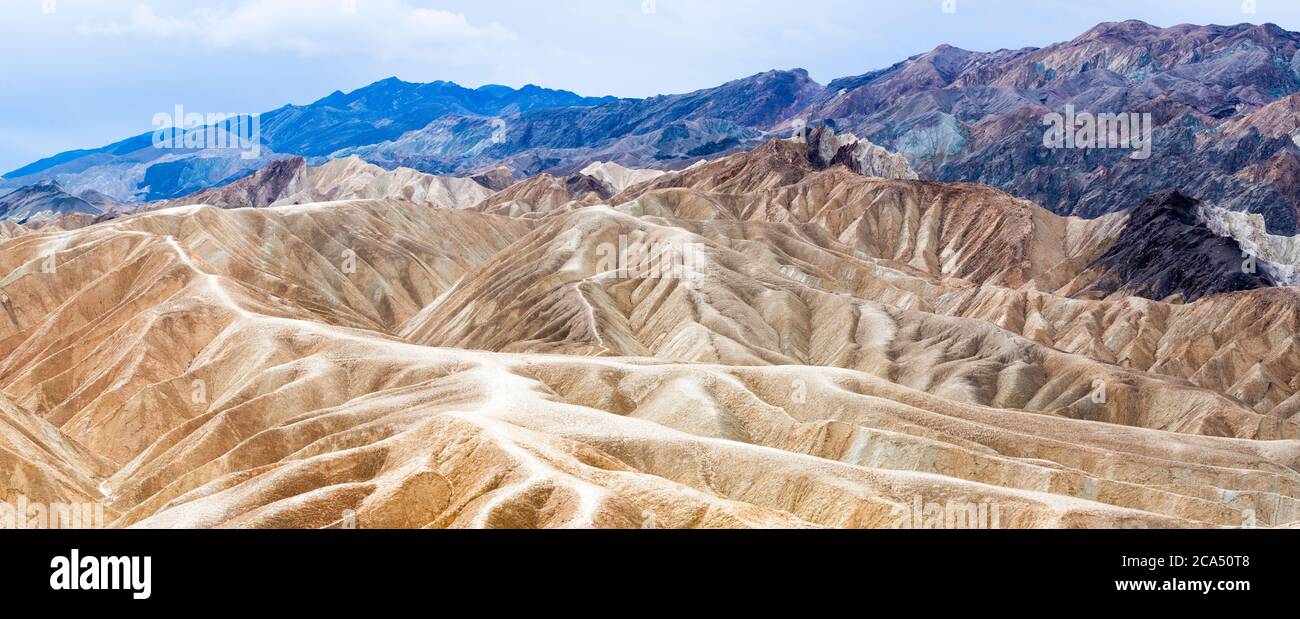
pixel 1126 27
pixel 944 49
pixel 47 186
pixel 1171 199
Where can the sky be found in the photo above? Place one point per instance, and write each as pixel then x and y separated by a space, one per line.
pixel 84 73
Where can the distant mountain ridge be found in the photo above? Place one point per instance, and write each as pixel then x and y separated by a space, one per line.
pixel 389 108
pixel 1222 100
pixel 1218 96
pixel 665 131
pixel 134 169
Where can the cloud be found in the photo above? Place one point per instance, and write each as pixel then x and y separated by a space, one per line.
pixel 386 29
pixel 143 22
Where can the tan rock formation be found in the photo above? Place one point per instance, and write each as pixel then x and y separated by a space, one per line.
pixel 831 350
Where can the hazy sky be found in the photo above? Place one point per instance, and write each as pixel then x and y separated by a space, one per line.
pixel 90 72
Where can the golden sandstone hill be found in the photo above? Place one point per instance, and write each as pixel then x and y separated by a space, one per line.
pixel 767 340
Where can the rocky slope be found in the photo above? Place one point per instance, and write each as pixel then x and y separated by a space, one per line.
pixel 1249 230
pixel 1217 95
pixel 617 177
pixel 259 189
pixel 1166 251
pixel 292 181
pixel 768 339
